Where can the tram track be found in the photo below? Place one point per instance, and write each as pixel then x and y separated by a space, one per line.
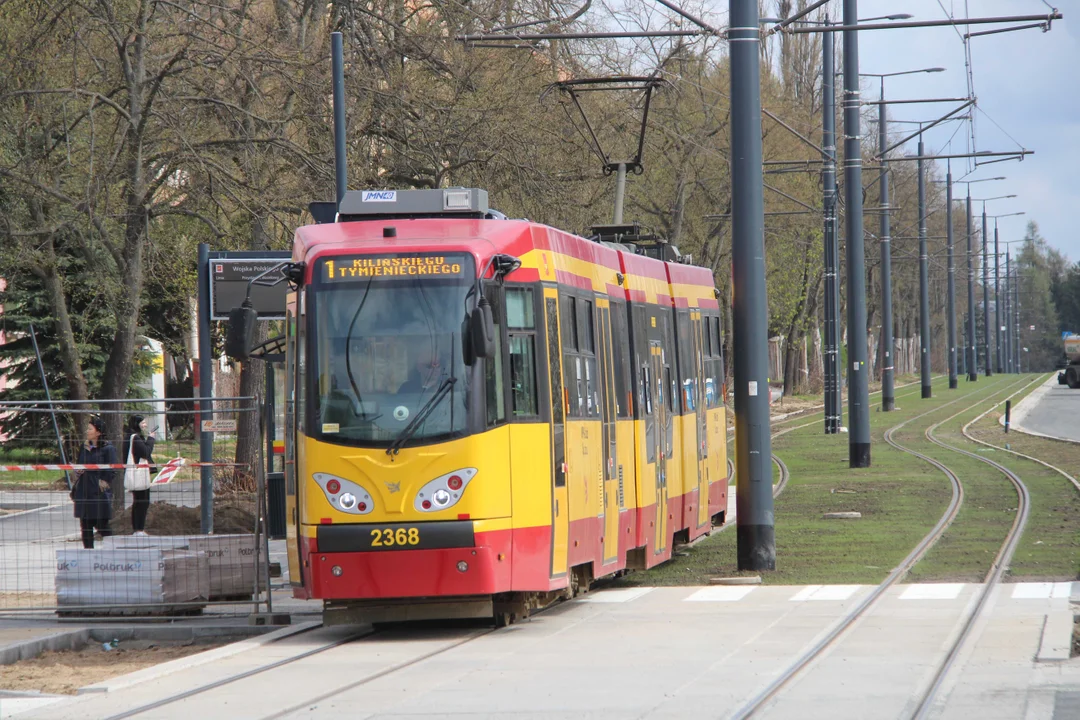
pixel 841 628
pixel 965 431
pixel 930 695
pixel 153 709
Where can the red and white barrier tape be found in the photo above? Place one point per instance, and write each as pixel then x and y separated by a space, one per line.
pixel 23 468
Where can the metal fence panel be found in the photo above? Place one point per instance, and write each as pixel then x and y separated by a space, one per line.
pixel 168 567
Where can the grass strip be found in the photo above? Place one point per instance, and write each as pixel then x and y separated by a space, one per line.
pixel 900 498
pixel 1050 546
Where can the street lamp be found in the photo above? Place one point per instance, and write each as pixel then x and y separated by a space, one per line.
pixel 986 285
pixel 972 369
pixel 903 72
pixel 888 396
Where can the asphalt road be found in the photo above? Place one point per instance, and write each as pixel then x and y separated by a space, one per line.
pixel 1056 413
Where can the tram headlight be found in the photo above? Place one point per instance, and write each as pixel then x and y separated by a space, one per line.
pixel 444 491
pixel 344 495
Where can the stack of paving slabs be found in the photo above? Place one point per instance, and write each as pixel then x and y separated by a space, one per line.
pixel 130 581
pixel 231 558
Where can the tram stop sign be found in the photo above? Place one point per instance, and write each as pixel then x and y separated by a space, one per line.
pixel 229 276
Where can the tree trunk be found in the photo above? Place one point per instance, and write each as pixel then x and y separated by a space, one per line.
pixel 67 346
pixel 252 384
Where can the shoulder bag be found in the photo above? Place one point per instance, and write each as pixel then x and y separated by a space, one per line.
pixel 135 478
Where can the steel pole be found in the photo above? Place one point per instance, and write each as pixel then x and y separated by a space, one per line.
pixel 1016 315
pixel 858 382
pixel 888 394
pixel 962 355
pixel 620 192
pixel 986 299
pixel 972 361
pixel 997 303
pixel 206 392
pixel 753 445
pixel 1008 324
pixel 832 292
pixel 950 308
pixel 337 81
pixel 924 282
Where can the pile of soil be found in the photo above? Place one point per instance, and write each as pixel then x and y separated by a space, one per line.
pixel 166 519
pixel 66 671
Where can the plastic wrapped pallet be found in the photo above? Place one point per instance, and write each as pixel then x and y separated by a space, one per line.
pixel 232 563
pixel 148 577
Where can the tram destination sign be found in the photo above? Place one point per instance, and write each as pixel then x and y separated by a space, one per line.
pixel 410 266
pixel 229 276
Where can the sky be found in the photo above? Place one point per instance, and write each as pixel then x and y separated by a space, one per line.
pixel 1028 88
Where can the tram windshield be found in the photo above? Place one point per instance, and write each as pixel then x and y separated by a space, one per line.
pixel 388 350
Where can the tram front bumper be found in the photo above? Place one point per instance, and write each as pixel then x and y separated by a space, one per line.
pixel 481 569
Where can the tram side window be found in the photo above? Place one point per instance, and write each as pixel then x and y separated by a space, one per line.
pixel 522 326
pixel 591 405
pixel 713 366
pixel 588 340
pixel 569 325
pixel 620 343
pixel 683 330
pixel 495 390
pixel 553 361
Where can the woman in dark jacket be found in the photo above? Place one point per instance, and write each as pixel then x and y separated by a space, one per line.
pixel 142 448
pixel 92 491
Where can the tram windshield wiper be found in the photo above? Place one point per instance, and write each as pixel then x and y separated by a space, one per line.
pixel 410 430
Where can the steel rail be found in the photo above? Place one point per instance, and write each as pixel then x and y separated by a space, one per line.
pixel 228 680
pixel 759 701
pixel 376 676
pixel 201 689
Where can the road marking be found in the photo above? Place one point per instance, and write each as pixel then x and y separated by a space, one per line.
pixel 1041 591
pixel 720 594
pixel 932 591
pixel 617 596
pixel 825 592
pixel 31 510
pixel 805 593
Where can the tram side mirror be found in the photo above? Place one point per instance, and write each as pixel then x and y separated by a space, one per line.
pixel 241 332
pixel 482 330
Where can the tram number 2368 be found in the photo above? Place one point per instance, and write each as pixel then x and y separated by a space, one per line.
pixel 390 537
pixel 420 536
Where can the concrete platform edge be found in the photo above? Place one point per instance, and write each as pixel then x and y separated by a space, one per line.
pixel 65 640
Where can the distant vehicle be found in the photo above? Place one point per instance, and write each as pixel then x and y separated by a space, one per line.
pixel 1071 374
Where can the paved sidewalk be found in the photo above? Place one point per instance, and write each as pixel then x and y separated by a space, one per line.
pixel 1051 410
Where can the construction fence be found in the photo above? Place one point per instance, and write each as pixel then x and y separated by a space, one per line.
pixel 77 540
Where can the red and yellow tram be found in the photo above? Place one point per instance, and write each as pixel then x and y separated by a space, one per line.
pixel 485 414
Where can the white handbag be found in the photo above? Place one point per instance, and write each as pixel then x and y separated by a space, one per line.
pixel 135 478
